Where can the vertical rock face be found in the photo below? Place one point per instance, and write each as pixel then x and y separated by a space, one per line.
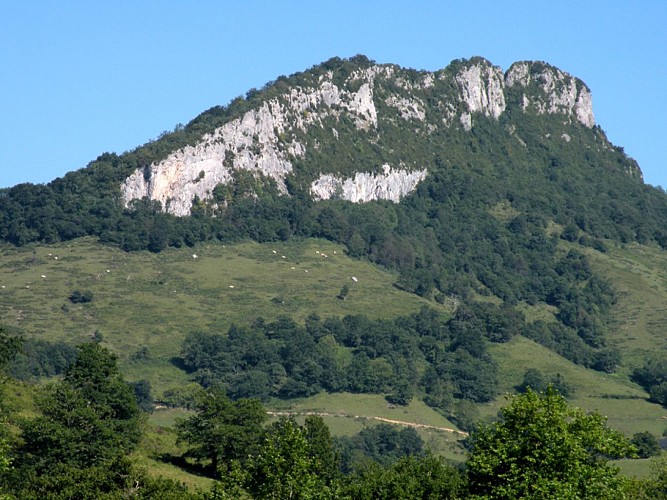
pixel 267 140
pixel 482 90
pixel 548 90
pixel 389 185
pixel 247 143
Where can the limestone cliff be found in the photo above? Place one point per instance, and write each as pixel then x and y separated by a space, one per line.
pixel 307 118
pixel 389 185
pixel 549 90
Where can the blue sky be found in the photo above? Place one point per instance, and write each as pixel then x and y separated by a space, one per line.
pixel 81 78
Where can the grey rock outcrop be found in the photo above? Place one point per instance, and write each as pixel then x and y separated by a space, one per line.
pixel 260 141
pixel 553 91
pixel 266 140
pixel 482 90
pixel 389 185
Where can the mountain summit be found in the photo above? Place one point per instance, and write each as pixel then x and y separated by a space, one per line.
pixel 284 161
pixel 308 112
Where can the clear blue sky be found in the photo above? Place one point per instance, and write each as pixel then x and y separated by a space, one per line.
pixel 81 78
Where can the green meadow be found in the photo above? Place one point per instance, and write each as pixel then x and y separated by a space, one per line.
pixel 144 300
pixel 143 305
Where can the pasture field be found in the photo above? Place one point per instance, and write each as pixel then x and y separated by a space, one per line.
pixel 143 305
pixel 152 301
pixel 639 276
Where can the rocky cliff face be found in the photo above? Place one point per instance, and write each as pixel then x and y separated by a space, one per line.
pixel 548 90
pixel 269 139
pixel 481 86
pixel 389 185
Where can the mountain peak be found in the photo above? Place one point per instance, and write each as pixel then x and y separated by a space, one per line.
pixel 292 119
pixel 546 89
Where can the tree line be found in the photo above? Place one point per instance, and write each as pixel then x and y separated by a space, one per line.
pixel 77 444
pixel 420 353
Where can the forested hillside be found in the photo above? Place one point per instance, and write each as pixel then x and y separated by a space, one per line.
pixel 367 229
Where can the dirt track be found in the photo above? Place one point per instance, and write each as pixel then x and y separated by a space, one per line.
pixel 381 419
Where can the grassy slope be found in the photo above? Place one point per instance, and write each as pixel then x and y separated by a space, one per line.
pixel 143 299
pixel 639 274
pixel 155 300
pixel 350 413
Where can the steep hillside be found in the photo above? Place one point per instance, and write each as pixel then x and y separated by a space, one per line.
pixel 147 304
pixel 351 130
pixel 151 302
pixel 301 132
pixel 490 196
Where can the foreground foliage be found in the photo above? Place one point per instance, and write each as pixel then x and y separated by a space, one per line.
pixel 222 430
pixel 77 448
pixel 541 448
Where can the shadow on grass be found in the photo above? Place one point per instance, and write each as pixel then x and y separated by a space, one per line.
pixel 182 463
pixel 178 363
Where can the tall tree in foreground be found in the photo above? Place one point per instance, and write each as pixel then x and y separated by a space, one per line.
pixel 286 466
pixel 9 346
pixel 414 478
pixel 77 447
pixel 222 430
pixel 541 448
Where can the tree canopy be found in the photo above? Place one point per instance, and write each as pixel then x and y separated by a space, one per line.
pixel 541 448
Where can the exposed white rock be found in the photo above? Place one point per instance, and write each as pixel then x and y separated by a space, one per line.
pixel 583 107
pixel 264 140
pixel 257 142
pixel 562 93
pixel 363 107
pixel 247 143
pixel 482 89
pixel 389 185
pixel 466 121
pixel 519 73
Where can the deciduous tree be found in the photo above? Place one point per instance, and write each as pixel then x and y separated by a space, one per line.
pixel 541 448
pixel 222 430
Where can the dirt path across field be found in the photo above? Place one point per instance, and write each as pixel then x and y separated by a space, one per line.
pixel 381 419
